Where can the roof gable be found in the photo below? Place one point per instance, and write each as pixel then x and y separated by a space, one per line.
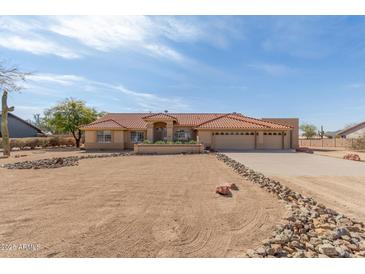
pixel 105 124
pixel 160 116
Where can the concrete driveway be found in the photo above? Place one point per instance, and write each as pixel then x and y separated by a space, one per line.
pixel 337 183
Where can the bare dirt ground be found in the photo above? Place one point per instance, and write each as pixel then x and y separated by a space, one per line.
pixel 337 183
pixel 135 206
pixel 338 152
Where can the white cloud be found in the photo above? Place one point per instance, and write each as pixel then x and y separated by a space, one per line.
pixel 49 84
pixel 65 80
pixel 356 86
pixel 273 69
pixel 36 46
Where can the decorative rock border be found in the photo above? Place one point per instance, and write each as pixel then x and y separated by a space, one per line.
pixel 310 229
pixel 58 162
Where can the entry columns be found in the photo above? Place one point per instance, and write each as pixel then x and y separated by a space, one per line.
pixel 150 132
pixel 170 131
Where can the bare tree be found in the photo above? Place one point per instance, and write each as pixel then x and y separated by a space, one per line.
pixel 10 77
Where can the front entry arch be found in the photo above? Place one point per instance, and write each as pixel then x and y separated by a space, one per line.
pixel 159 131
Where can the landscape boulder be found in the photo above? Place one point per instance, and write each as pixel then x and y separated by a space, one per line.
pixel 304 149
pixel 223 190
pixel 351 156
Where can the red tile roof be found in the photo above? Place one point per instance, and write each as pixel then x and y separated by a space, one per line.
pixel 238 121
pixel 108 123
pixel 196 120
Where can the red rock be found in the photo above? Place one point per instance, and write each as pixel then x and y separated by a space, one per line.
pixel 304 149
pixel 353 157
pixel 233 186
pixel 223 190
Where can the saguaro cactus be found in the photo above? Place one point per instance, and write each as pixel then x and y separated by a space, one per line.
pixel 4 123
pixel 9 82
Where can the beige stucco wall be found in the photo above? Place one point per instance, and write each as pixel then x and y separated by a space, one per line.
pixel 167 149
pixel 117 141
pixel 205 137
pixel 294 122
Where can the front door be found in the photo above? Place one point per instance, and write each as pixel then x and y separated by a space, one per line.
pixel 160 134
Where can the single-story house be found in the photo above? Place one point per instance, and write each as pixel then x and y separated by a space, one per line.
pixel 353 132
pixel 19 128
pixel 219 131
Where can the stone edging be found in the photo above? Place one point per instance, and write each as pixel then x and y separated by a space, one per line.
pixel 310 229
pixel 58 162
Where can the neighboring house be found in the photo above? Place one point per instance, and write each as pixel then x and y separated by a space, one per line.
pixel 19 128
pixel 217 131
pixel 356 131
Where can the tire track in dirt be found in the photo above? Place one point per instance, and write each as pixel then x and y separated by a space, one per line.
pixel 150 206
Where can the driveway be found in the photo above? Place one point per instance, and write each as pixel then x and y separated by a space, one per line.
pixel 337 183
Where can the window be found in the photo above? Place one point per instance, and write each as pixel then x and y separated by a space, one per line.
pixel 137 137
pixel 104 137
pixel 182 135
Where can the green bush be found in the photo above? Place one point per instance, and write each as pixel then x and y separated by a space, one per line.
pixel 192 142
pixel 147 142
pixel 160 142
pixel 178 142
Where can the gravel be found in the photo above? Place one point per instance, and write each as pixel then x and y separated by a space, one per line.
pixel 57 162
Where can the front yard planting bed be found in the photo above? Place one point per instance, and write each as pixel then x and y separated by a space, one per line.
pixel 168 148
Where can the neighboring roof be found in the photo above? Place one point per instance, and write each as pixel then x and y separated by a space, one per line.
pixel 104 124
pixel 331 133
pixel 352 129
pixel 197 120
pixel 25 122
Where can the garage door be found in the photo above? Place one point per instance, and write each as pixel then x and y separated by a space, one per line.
pixel 272 141
pixel 234 141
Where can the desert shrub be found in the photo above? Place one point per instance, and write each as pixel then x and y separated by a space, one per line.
pixel 159 142
pixel 41 142
pixel 54 141
pixel 147 142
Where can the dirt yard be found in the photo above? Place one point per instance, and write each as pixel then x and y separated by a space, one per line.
pixel 135 206
pixel 338 152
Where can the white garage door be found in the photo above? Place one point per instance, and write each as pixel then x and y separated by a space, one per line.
pixel 234 141
pixel 272 141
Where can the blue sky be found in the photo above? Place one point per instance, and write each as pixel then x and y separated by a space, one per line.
pixel 262 66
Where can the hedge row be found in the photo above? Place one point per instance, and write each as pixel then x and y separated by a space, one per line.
pixel 43 142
